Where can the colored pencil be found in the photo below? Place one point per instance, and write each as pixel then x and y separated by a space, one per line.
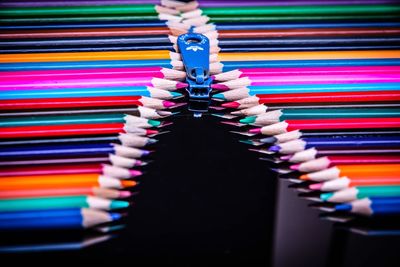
pixel 359 192
pixel 327 124
pixel 300 88
pixel 61 181
pixel 83 56
pixel 153 72
pixel 82 102
pixel 222 34
pixel 87 219
pixel 360 170
pixel 323 143
pixel 279 115
pixel 345 182
pixel 102 169
pixel 124 139
pixel 257 84
pixel 266 72
pixel 64 150
pixel 140 111
pixel 21 204
pixel 313 98
pixel 110 158
pixel 80 119
pixel 72 130
pixel 312 153
pixel 327 162
pixel 372 206
pixel 293 135
pixel 73 191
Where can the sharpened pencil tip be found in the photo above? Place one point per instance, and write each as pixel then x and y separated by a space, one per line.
pixel 151 132
pixel 135 173
pixel 231 104
pixel 343 207
pixel 180 85
pixel 295 167
pixel 152 141
pixel 219 86
pixel 154 123
pixel 176 94
pixel 248 120
pixel 125 194
pixel 219 97
pixel 286 157
pixel 115 216
pixel 274 148
pixel 118 204
pixel 326 196
pixel 316 186
pixel 303 177
pixel 255 131
pixel 127 183
pixel 168 104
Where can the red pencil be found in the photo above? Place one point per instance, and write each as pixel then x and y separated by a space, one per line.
pixel 68 130
pixel 338 97
pixel 105 169
pixel 80 102
pixel 327 124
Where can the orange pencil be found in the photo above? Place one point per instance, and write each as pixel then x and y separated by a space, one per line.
pixel 84 56
pixel 62 181
pixel 361 170
pixel 253 56
pixel 345 182
pixel 74 191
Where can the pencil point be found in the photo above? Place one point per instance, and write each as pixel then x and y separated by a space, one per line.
pixel 255 130
pixel 168 104
pixel 248 120
pixel 115 216
pixel 125 194
pixel 274 148
pixel 151 132
pixel 248 142
pixel 231 105
pixel 295 167
pixel 146 152
pixel 219 86
pixel 117 204
pixel 154 123
pixel 127 183
pixel 152 141
pixel 316 186
pixel 343 207
pixel 286 157
pixel 219 97
pixel 176 94
pixel 180 85
pixel 139 163
pixel 135 173
pixel 303 177
pixel 326 196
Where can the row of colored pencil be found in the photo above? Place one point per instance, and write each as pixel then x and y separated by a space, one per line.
pixel 76 126
pixel 328 112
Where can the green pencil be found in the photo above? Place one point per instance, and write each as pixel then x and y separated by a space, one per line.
pixel 359 192
pixel 61 202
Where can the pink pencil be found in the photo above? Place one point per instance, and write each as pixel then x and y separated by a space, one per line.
pixel 270 80
pixel 155 72
pixel 240 73
pixel 93 81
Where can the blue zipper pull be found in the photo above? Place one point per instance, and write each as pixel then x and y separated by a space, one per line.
pixel 195 52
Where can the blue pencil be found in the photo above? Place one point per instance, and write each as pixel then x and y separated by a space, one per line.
pixel 71 150
pixel 372 206
pixel 82 92
pixel 341 142
pixel 226 66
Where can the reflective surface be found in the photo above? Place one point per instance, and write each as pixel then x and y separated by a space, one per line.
pixel 207 200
